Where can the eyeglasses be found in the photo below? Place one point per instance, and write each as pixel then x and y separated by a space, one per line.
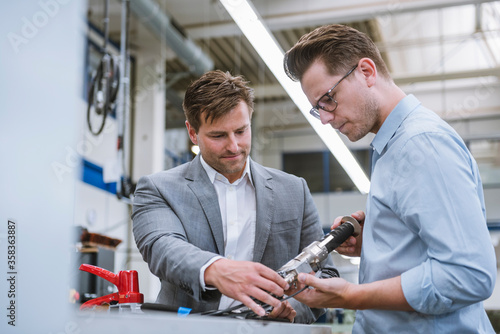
pixel 328 103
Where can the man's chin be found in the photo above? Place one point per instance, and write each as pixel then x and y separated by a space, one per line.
pixel 234 167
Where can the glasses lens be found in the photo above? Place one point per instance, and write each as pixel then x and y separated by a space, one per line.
pixel 327 103
pixel 315 113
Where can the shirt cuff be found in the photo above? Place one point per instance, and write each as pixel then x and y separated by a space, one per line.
pixel 421 291
pixel 202 273
pixel 411 283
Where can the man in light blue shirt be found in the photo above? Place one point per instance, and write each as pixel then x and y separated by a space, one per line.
pixel 427 261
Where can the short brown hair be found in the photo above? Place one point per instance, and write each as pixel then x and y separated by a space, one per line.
pixel 215 93
pixel 340 47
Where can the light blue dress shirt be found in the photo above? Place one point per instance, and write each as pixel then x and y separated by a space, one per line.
pixel 426 221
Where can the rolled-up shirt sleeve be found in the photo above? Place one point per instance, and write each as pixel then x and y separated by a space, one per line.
pixel 437 196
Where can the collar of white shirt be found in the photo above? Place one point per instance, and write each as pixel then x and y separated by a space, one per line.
pixel 212 173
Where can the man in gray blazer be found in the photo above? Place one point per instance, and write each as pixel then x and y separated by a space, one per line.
pixel 214 230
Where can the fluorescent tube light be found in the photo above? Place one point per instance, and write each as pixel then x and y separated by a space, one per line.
pixel 248 20
pixel 195 149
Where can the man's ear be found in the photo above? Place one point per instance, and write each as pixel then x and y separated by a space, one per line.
pixel 369 70
pixel 192 133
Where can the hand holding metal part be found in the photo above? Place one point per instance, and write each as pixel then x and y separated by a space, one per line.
pixel 312 255
pixel 309 260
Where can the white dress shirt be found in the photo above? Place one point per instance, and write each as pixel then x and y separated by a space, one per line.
pixel 238 211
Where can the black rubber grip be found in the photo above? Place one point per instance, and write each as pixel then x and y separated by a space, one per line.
pixel 339 235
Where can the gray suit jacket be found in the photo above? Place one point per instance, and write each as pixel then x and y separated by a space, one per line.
pixel 177 226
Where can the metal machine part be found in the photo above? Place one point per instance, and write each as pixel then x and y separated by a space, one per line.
pixel 312 255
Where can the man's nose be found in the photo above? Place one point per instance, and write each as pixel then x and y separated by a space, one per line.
pixel 325 116
pixel 232 143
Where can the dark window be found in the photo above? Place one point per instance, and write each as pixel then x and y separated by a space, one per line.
pixel 307 165
pixel 322 171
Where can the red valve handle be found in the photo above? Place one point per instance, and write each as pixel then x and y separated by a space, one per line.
pixel 126 281
pixel 101 272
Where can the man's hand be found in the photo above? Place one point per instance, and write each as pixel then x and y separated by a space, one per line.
pixel 352 246
pixel 285 311
pixel 329 292
pixel 338 293
pixel 242 280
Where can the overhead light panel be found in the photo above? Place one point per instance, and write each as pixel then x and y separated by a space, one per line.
pixel 250 23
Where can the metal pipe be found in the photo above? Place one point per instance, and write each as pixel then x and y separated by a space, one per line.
pixel 152 17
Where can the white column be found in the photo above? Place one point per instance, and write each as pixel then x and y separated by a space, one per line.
pixel 148 145
pixel 149 118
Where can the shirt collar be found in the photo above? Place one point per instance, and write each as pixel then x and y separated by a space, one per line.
pixel 393 121
pixel 212 173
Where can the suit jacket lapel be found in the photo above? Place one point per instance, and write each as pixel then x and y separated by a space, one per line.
pixel 204 190
pixel 265 203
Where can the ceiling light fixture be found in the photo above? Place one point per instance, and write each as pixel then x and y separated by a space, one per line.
pixel 195 149
pixel 250 23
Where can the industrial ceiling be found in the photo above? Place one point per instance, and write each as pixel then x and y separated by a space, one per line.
pixel 394 26
pixel 421 40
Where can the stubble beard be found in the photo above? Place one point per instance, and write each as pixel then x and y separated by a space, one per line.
pixel 370 120
pixel 231 167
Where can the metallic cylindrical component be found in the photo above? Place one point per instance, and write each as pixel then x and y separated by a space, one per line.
pixel 311 256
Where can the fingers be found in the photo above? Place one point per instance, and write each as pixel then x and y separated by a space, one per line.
pixel 238 277
pixel 243 280
pixel 348 247
pixel 274 277
pixel 275 313
pixel 331 292
pixel 307 295
pixel 309 280
pixel 336 222
pixel 251 304
pixel 266 282
pixel 359 216
pixel 313 297
pixel 352 246
pixel 284 311
pixel 264 297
